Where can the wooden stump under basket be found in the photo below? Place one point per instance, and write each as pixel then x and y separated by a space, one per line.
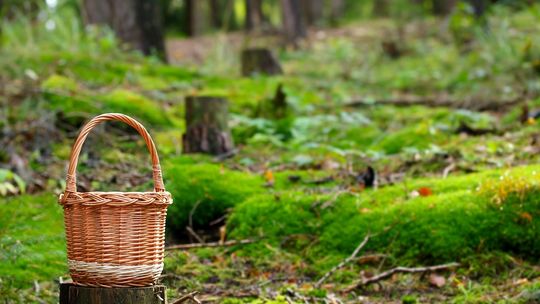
pixel 73 294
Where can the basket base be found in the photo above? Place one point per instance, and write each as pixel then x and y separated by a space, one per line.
pixel 107 275
pixel 73 294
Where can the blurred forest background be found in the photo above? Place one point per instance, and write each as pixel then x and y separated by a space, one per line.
pixel 318 151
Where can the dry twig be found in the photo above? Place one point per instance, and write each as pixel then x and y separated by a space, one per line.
pixel 192 212
pixel 212 244
pixel 194 234
pixel 189 296
pixel 389 273
pixel 343 263
pixel 448 169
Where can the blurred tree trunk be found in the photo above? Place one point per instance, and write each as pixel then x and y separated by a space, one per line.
pixel 479 7
pixel 230 16
pixel 11 9
pixel 380 8
pixel 194 17
pixel 294 27
pixel 136 22
pixel 313 11
pixel 254 15
pixel 443 7
pixel 337 8
pixel 216 11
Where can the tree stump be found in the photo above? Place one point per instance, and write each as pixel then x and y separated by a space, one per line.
pixel 260 61
pixel 207 129
pixel 73 294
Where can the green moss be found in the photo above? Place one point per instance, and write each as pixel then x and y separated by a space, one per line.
pixel 136 105
pixel 215 187
pixel 32 245
pixel 65 95
pixel 168 142
pixel 456 220
pixel 59 83
pixel 68 104
pixel 419 137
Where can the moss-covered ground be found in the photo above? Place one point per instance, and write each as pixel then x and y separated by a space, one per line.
pixel 296 185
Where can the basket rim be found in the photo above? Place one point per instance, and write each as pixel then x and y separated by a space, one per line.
pixel 94 198
pixel 120 192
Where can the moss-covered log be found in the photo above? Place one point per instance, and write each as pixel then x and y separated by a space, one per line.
pixel 207 129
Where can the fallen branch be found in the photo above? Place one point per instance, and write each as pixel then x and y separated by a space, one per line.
pixel 464 128
pixel 189 296
pixel 192 212
pixel 343 263
pixel 389 273
pixel 212 244
pixel 407 101
pixel 195 235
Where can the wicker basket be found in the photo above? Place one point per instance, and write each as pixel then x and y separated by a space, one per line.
pixel 115 239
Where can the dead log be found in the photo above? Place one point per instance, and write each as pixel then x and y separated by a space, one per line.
pixel 434 102
pixel 73 294
pixel 464 128
pixel 260 61
pixel 207 129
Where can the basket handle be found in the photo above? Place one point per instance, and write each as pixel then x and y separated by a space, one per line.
pixel 71 178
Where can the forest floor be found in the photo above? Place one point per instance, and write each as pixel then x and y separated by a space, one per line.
pixel 421 140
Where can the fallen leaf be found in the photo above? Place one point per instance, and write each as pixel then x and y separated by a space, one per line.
pixel 425 191
pixel 269 177
pixel 526 216
pixel 364 210
pixel 436 280
pixel 356 189
pixel 520 282
pixel 329 164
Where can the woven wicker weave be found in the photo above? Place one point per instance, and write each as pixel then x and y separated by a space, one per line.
pixel 114 239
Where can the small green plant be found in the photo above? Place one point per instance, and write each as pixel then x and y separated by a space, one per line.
pixel 11 183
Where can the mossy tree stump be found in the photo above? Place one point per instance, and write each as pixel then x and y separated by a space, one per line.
pixel 207 129
pixel 260 61
pixel 73 294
